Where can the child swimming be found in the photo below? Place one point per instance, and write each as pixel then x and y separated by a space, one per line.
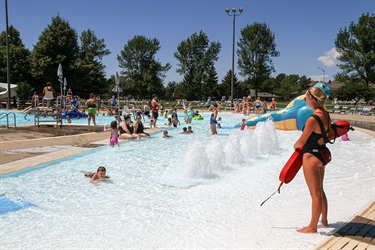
pixel 99 175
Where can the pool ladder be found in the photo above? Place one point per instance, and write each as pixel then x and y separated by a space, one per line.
pixel 6 115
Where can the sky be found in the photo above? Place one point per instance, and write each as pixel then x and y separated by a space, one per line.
pixel 305 30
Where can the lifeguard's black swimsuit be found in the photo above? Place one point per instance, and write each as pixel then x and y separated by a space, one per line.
pixel 313 147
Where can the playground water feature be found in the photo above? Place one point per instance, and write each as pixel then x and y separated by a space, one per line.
pixel 188 191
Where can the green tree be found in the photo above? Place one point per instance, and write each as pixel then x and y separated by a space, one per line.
pixel 256 47
pixel 144 75
pixel 58 43
pixel 210 85
pixel 352 90
pixel 225 86
pixel 196 58
pixel 356 46
pixel 90 69
pixel 169 90
pixel 19 58
pixel 291 85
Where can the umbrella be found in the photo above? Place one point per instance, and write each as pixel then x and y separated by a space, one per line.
pixel 117 89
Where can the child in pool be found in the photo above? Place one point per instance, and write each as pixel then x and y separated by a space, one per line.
pixel 165 134
pixel 99 175
pixel 169 122
pixel 114 134
pixel 189 130
pixel 175 120
pixel 243 125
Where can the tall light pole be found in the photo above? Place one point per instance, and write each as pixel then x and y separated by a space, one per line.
pixel 8 54
pixel 234 14
pixel 324 74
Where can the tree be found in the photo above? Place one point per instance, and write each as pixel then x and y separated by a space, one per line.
pixel 169 90
pixel 90 69
pixel 19 58
pixel 196 56
pixel 57 44
pixel 144 75
pixel 356 46
pixel 256 47
pixel 291 85
pixel 352 90
pixel 225 86
pixel 210 86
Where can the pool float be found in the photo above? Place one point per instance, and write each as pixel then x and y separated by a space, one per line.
pixel 292 117
pixel 294 163
pixel 197 118
pixel 73 114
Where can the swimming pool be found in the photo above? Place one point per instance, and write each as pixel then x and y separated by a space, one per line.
pixel 23 119
pixel 187 191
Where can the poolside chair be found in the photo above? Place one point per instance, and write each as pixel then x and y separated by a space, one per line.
pixel 366 111
pixel 359 110
pixel 343 110
pixel 352 111
pixel 336 109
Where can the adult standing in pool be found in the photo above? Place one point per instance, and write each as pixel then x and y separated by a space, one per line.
pixel 91 109
pixel 155 108
pixel 315 154
pixel 213 118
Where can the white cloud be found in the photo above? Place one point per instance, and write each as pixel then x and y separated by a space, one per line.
pixel 330 58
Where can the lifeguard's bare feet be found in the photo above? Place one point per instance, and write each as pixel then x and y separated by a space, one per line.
pixel 307 230
pixel 324 223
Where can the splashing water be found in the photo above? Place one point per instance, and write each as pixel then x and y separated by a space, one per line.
pixel 216 155
pixel 196 163
pixel 203 161
pixel 232 150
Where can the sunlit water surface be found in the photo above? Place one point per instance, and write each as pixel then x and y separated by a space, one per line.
pixel 188 191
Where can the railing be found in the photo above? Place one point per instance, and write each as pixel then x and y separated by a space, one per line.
pixel 6 115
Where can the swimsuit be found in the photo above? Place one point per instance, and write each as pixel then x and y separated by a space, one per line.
pixel 212 120
pixel 313 147
pixel 113 139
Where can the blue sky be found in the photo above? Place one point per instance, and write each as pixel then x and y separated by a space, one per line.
pixel 305 30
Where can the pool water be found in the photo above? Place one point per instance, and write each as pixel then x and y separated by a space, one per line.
pixel 187 191
pixel 24 119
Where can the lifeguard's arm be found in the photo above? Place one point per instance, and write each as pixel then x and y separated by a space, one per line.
pixel 309 128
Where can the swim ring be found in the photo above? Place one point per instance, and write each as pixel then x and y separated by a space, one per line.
pixel 197 118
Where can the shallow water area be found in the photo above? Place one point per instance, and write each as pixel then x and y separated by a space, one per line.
pixel 187 191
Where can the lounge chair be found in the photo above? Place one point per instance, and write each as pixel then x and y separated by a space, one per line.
pixel 352 110
pixel 359 110
pixel 366 111
pixel 343 110
pixel 336 109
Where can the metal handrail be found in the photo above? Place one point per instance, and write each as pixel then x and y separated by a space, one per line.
pixel 7 117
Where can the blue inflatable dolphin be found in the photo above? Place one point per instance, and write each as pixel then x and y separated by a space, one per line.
pixel 292 117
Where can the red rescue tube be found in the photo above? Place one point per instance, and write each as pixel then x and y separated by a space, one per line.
pixel 294 163
pixel 291 167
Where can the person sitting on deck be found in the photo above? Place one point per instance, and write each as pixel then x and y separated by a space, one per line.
pixel 138 127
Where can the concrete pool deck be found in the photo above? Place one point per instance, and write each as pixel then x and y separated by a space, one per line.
pixel 24 147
